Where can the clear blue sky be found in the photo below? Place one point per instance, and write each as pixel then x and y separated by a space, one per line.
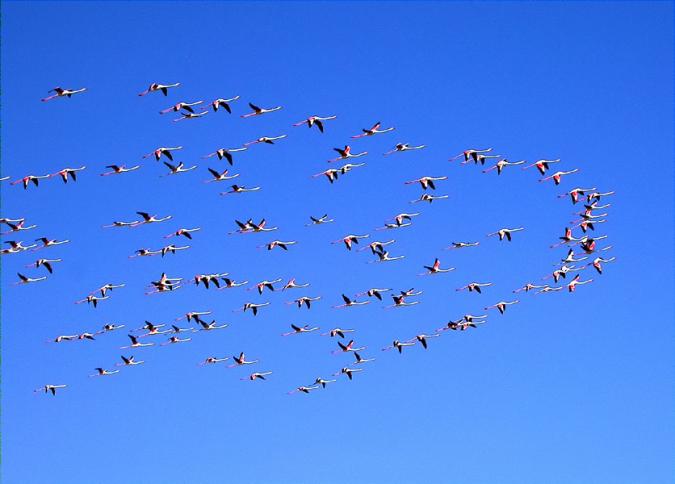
pixel 562 389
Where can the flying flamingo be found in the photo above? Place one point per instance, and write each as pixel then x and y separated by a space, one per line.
pixel 303 389
pixel 68 171
pixel 598 261
pixel 301 329
pixel 210 326
pixel 566 238
pixel 15 247
pixel 27 280
pixel 262 285
pixel 220 176
pixel 119 169
pixel 149 219
pixel 348 302
pixel 62 338
pixel 163 151
pixel 122 224
pixel 595 196
pixel 254 307
pixel 399 301
pixel 225 153
pixel 383 256
pixel 462 245
pixel 179 168
pixel 576 282
pixel 34 179
pixel 129 361
pixel 322 382
pixel 546 289
pixel 50 388
pixel 175 340
pixel 291 284
pixel 257 111
pixel 279 243
pixel 503 163
pixel 230 283
pixel 240 189
pixel 401 147
pixel 181 105
pixel 350 239
pixel 422 338
pixel 575 192
pixel 315 120
pixel 46 263
pixel 375 129
pixel 474 286
pixel 346 153
pixel 427 181
pixel 349 371
pixel 542 165
pixel 331 174
pixel 104 372
pixel 184 232
pixel 436 268
pixel 374 292
pixel 481 159
pixel 209 278
pixel 377 246
pixel 189 316
pixel 338 332
pixel 108 287
pixel 557 176
pixel 91 299
pixel 396 344
pixel 110 327
pixel 177 330
pixel 223 103
pixel 320 220
pixel 258 375
pixel 17 227
pixel 589 244
pixel 50 242
pixel 360 360
pixel 426 197
pixel 306 300
pixel 344 169
pixel 527 288
pixel 562 272
pixel 84 336
pixel 569 258
pixel 346 348
pixel 60 92
pixel 470 154
pixel 166 283
pixel 241 360
pixel 589 224
pixel 266 139
pixel 501 305
pixel 159 87
pixel 212 360
pixel 505 233
pixel 185 116
pixel 152 329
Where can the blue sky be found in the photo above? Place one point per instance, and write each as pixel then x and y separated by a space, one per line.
pixel 562 389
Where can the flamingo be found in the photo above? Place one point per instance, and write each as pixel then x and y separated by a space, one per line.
pixel 401 147
pixel 108 287
pixel 258 375
pixel 159 87
pixel 145 253
pixel 250 226
pixel 257 111
pixel 210 326
pixel 177 330
pixel 185 116
pixel 595 196
pixel 462 245
pixel 179 168
pixel 150 327
pixel 62 338
pixel 375 129
pixel 240 189
pixel 189 316
pixel 225 153
pixel 589 244
pixel 61 92
pixel 208 278
pixel 396 344
pixel 399 301
pixel 575 192
pixel 470 154
pixel 598 261
pixel 547 288
pixel 279 243
pixel 46 263
pixel 241 360
pixel 589 224
pixel 254 307
pixel 91 299
pixel 34 179
pixel 422 338
pixel 266 139
pixel 338 332
pixel 322 382
pixel 374 292
pixel 360 360
pixel 166 283
pixel 315 120
pixel 346 153
pixel 427 181
pixel 349 371
pixel 571 287
pixel 557 176
pixel 17 227
pixel 175 340
pixel 320 220
pixel 542 165
pixel 346 348
pixel 426 197
pixel 401 217
pixel 230 283
pixel 110 327
pixel 15 247
pixel 104 372
pixel 27 280
pixel 119 169
pixel 68 171
pixel 163 151
pixel 50 242
pixel 481 159
pixel 569 258
pixel 566 238
pixel 474 286
pixel 383 256
pixel 181 106
pixel 184 232
pixel 223 103
pixel 436 268
pixel 306 300
pixel 503 163
pixel 501 305
pixel 348 302
pixel 331 174
pixel 262 285
pixel 527 288
pixel 50 388
pixel 122 224
pixel 350 239
pixel 562 272
pixel 129 361
pixel 301 329
pixel 303 389
pixel 346 168
pixel 377 246
pixel 291 284
pixel 505 233
pixel 84 336
pixel 149 219
pixel 212 360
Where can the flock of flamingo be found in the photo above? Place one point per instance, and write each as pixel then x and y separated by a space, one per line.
pixel 582 250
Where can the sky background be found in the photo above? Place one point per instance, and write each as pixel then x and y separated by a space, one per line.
pixel 564 388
